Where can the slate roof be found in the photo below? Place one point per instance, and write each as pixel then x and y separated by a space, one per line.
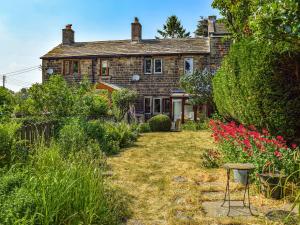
pixel 127 47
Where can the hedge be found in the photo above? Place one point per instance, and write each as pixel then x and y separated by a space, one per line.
pixel 258 84
pixel 160 123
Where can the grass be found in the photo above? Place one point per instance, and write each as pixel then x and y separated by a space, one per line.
pixel 164 175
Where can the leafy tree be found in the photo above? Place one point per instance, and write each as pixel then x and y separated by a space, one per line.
pixel 199 85
pixel 7 102
pixel 122 100
pixel 272 20
pixel 202 27
pixel 173 29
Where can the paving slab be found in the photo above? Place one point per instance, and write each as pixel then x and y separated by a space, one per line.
pixel 214 209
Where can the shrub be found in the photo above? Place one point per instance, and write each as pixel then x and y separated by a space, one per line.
pixel 144 128
pixel 122 100
pixel 194 126
pixel 211 159
pixel 7 102
pixel 8 143
pixel 246 144
pixel 257 84
pixel 160 123
pixel 72 137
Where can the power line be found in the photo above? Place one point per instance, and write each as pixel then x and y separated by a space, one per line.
pixel 22 70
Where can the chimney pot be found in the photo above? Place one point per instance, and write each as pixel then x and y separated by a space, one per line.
pixel 136 30
pixel 69 26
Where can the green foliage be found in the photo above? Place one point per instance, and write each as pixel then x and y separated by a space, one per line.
pixel 258 85
pixel 93 105
pixel 211 159
pixel 173 29
pixel 8 143
pixel 72 137
pixel 160 123
pixel 122 100
pixel 274 21
pixel 7 102
pixel 111 136
pixel 202 27
pixel 194 126
pixel 199 85
pixel 54 190
pixel 144 128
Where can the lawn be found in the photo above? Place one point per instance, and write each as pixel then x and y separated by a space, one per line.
pixel 164 175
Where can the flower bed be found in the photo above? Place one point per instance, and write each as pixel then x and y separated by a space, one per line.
pixel 246 144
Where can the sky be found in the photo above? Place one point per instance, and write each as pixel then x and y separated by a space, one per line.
pixel 30 28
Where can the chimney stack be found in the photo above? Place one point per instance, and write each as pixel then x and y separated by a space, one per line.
pixel 136 30
pixel 68 35
pixel 211 24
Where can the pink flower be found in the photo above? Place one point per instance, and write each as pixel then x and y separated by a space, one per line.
pixel 277 154
pixel 294 146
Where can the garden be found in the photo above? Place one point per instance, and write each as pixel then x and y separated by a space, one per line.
pixel 60 178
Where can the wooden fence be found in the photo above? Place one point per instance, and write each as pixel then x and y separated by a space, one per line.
pixel 35 132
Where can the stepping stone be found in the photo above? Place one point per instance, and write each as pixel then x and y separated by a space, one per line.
pixel 179 179
pixel 214 209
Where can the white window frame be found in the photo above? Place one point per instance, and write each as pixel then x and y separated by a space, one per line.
pixel 153 105
pixel 145 65
pixel 192 65
pixel 150 105
pixel 161 67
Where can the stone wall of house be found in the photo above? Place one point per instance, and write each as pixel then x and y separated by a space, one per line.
pixel 218 49
pixel 121 70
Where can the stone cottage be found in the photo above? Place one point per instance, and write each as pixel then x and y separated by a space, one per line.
pixel 152 67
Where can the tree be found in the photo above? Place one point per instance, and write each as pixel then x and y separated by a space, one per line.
pixel 202 27
pixel 7 102
pixel 122 101
pixel 199 85
pixel 173 29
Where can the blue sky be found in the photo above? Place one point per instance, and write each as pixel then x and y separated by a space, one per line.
pixel 30 28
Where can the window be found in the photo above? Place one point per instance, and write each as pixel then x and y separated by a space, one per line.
pixel 104 68
pixel 75 68
pixel 148 66
pixel 166 105
pixel 157 105
pixel 188 65
pixel 66 67
pixel 157 66
pixel 147 105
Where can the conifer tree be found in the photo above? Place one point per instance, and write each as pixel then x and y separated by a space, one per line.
pixel 202 27
pixel 173 29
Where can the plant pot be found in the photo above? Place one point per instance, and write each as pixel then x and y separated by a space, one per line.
pixel 240 176
pixel 272 185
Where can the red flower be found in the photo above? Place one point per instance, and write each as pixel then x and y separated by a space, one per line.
pixel 294 146
pixel 277 154
pixel 247 143
pixel 280 138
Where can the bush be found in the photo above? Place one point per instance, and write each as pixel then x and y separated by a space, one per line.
pixel 194 126
pixel 54 190
pixel 111 136
pixel 257 84
pixel 7 102
pixel 211 159
pixel 72 137
pixel 122 100
pixel 8 143
pixel 160 123
pixel 144 128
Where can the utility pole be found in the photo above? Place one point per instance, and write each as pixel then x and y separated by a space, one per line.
pixel 3 80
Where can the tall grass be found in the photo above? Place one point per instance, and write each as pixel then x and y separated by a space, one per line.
pixel 55 190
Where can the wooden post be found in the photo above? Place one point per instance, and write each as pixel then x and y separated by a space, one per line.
pixel 171 108
pixel 182 110
pixel 195 113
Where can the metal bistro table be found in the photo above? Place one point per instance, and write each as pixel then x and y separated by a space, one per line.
pixel 248 167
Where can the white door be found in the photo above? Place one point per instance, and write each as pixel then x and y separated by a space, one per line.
pixel 177 107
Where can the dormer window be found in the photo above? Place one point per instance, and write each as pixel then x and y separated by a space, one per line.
pixel 148 66
pixel 157 66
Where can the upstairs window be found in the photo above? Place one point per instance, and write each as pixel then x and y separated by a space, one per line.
pixel 148 66
pixel 104 68
pixel 157 66
pixel 188 65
